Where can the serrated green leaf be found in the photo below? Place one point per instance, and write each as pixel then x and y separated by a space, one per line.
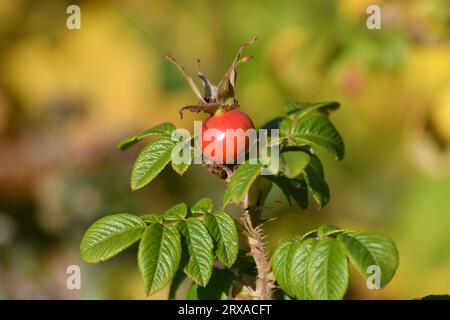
pixel 217 289
pixel 300 259
pixel 328 272
pixel 240 182
pixel 158 256
pixel 371 249
pixel 315 130
pixel 315 179
pixel 294 162
pixel 203 205
pixel 151 161
pixel 109 236
pixel 300 109
pixel 164 129
pixel 224 232
pixel 293 189
pixel 182 166
pixel 280 266
pixel 151 218
pixel 200 247
pixel 290 264
pixel 177 212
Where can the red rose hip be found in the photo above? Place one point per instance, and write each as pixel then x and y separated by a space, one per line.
pixel 215 136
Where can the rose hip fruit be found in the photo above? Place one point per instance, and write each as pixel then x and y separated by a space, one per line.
pixel 221 121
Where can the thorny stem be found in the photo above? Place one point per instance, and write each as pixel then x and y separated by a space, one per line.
pixel 256 237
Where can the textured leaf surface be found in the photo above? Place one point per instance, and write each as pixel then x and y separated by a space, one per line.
pixel 109 236
pixel 164 129
pixel 158 256
pixel 224 232
pixel 150 162
pixel 203 205
pixel 294 162
pixel 280 266
pixel 151 218
pixel 240 182
pixel 290 265
pixel 300 259
pixel 315 179
pixel 182 166
pixel 177 212
pixel 371 249
pixel 328 273
pixel 315 130
pixel 200 247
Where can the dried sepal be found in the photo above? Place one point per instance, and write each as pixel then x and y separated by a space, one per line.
pixel 187 77
pixel 210 90
pixel 214 97
pixel 226 87
pixel 209 108
pixel 223 171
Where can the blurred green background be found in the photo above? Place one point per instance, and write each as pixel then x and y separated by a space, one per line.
pixel 68 96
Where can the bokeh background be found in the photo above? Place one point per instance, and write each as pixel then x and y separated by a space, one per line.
pixel 68 96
